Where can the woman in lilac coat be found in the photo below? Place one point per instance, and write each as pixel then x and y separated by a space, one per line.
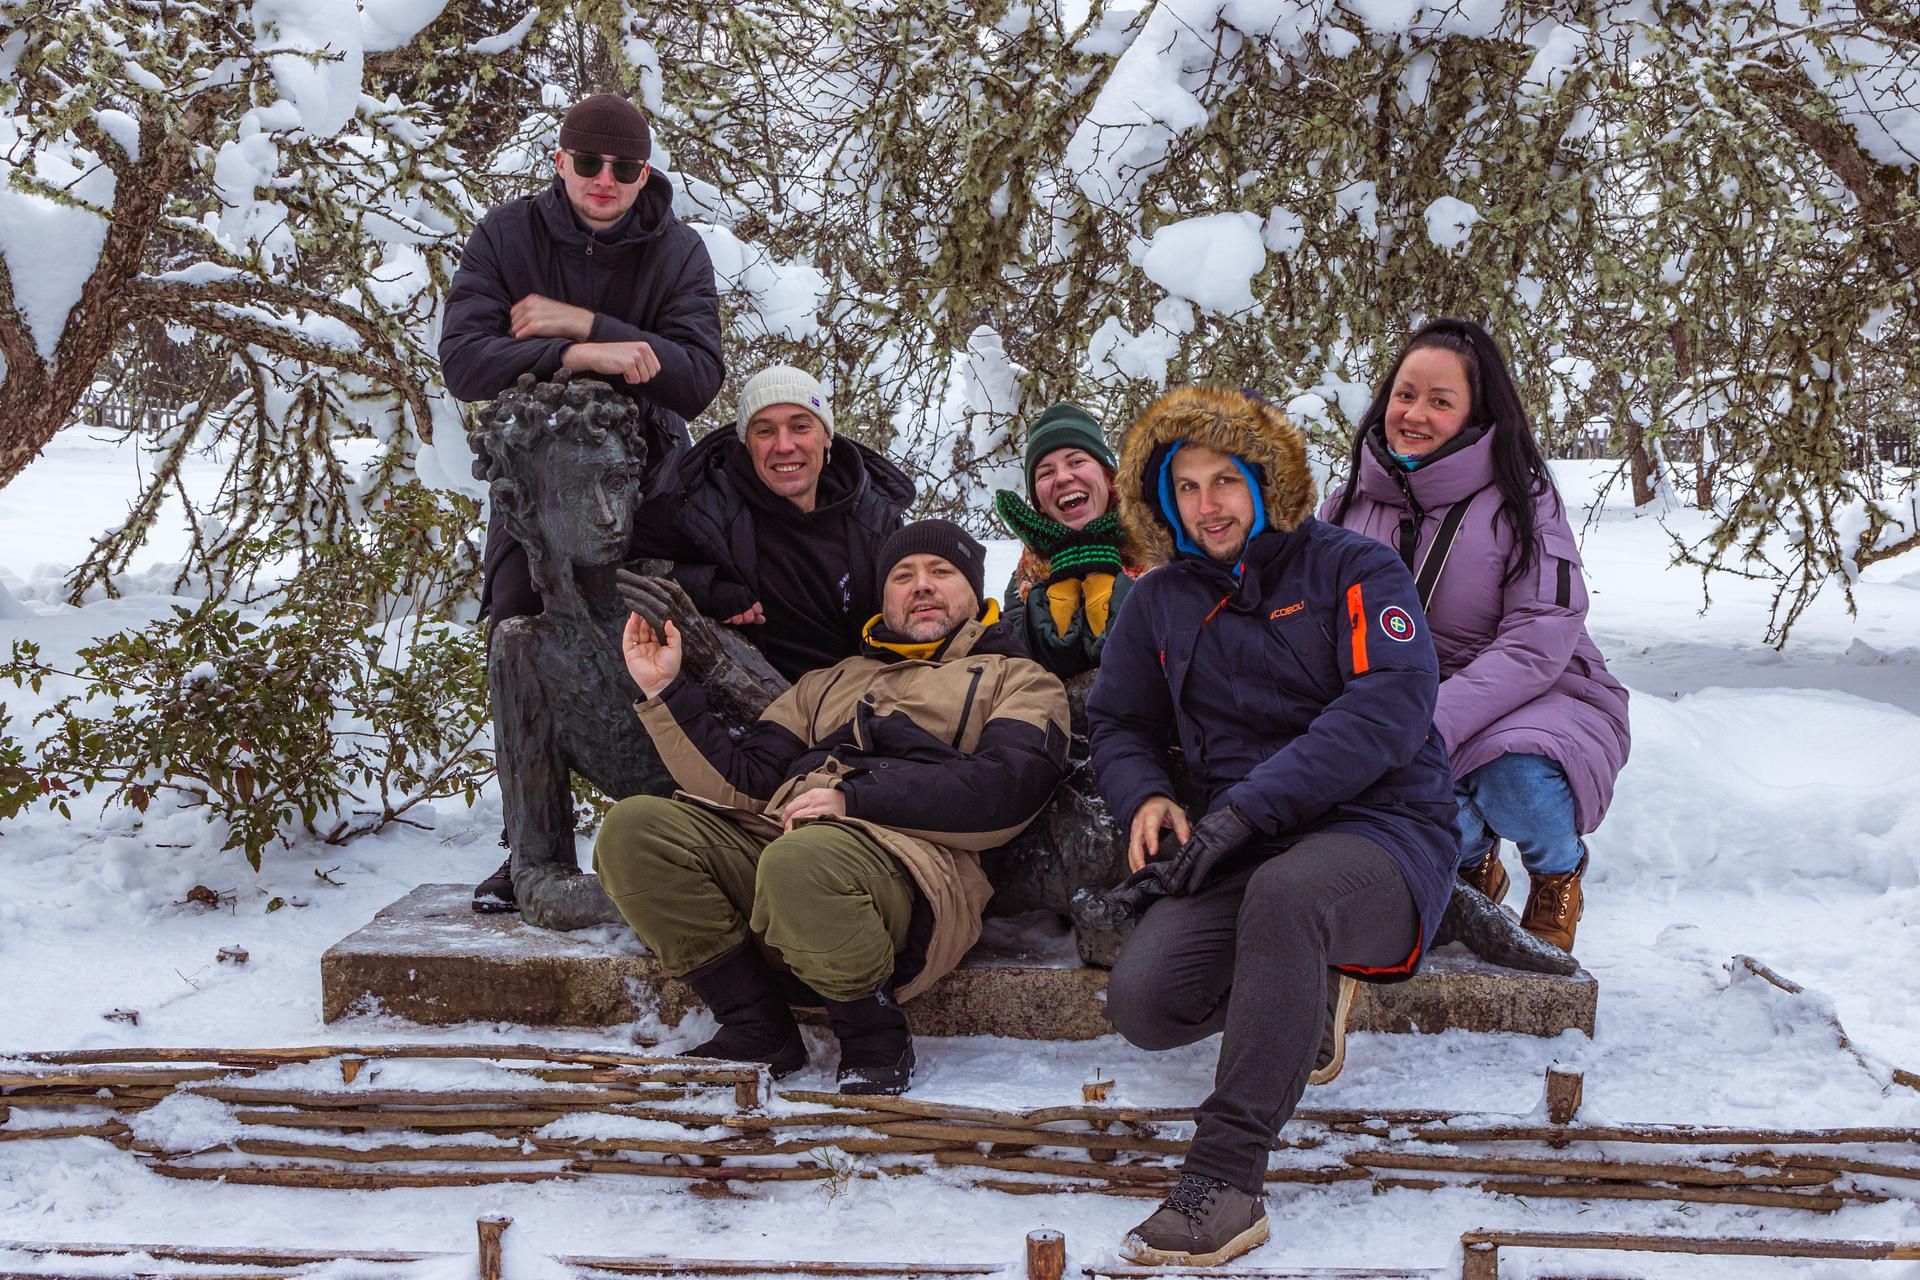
pixel 1535 727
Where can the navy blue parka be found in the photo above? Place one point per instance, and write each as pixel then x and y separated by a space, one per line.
pixel 1299 686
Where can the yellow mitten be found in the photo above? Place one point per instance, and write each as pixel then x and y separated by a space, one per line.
pixel 1063 601
pixel 1097 589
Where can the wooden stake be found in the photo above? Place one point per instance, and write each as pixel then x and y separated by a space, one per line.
pixel 491 1229
pixel 350 1069
pixel 1480 1261
pixel 1046 1253
pixel 1564 1086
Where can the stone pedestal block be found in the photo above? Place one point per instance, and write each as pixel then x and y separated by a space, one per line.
pixel 428 958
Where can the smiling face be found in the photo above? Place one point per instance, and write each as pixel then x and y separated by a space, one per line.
pixel 1215 501
pixel 926 598
pixel 600 201
pixel 1430 403
pixel 788 445
pixel 1072 487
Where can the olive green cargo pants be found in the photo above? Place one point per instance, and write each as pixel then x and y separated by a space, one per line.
pixel 825 900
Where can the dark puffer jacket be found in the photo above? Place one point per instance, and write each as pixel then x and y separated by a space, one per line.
pixel 723 530
pixel 1301 691
pixel 653 283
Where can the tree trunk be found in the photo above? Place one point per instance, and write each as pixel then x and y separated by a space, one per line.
pixel 1640 464
pixel 39 396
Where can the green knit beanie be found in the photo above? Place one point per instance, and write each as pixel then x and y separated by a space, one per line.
pixel 1065 426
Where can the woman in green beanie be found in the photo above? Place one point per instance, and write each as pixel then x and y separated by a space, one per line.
pixel 1077 564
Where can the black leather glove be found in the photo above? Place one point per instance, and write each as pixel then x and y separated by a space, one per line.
pixel 1220 833
pixel 1137 892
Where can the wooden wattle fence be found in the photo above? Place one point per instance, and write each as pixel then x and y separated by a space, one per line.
pixel 546 1114
pixel 1045 1259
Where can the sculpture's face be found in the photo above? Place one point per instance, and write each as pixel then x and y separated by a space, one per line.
pixel 583 498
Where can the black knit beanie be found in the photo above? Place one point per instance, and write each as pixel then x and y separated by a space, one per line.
pixel 941 538
pixel 607 125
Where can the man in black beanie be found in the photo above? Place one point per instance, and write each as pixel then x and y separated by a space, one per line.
pixel 596 275
pixel 834 854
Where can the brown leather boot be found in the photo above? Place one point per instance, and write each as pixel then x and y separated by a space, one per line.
pixel 1487 875
pixel 1554 906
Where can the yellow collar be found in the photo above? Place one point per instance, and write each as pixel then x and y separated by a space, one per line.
pixel 922 650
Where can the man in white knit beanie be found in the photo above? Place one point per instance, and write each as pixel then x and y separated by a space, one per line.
pixel 774 526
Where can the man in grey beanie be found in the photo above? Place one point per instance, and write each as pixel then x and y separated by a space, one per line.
pixel 777 525
pixel 596 275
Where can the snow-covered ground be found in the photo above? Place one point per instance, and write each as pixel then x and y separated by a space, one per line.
pixel 1768 810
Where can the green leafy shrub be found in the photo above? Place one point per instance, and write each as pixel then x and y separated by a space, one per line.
pixel 351 699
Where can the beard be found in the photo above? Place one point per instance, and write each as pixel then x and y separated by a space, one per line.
pixel 929 627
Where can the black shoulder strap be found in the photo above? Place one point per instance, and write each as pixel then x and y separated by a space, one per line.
pixel 1428 575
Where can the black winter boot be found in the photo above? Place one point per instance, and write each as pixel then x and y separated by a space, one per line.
pixel 756 1024
pixel 876 1048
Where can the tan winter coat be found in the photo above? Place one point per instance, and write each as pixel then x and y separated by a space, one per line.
pixel 939 759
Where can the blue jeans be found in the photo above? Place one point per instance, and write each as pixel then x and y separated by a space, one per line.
pixel 1524 798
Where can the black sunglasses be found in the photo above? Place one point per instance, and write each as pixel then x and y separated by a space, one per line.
pixel 588 165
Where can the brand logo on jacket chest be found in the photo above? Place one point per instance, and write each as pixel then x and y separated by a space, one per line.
pixel 1287 611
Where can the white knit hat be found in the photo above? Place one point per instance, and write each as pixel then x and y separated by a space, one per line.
pixel 783 384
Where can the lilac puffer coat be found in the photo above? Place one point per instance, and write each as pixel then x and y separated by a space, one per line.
pixel 1518 672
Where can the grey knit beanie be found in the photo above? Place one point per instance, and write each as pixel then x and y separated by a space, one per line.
pixel 783 384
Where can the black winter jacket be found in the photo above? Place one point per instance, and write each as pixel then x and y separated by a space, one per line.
pixel 653 283
pixel 707 519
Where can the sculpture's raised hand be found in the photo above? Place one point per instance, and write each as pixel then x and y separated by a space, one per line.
pixel 662 600
pixel 737 677
pixel 653 657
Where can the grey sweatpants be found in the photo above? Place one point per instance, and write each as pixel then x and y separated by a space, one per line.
pixel 1248 954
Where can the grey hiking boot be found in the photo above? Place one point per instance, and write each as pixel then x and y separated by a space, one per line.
pixel 1333 1046
pixel 1204 1222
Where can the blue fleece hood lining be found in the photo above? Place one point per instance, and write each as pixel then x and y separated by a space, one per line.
pixel 1170 509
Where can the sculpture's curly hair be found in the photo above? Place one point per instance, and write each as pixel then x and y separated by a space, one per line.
pixel 582 409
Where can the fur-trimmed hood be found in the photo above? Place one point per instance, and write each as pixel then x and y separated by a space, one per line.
pixel 1217 418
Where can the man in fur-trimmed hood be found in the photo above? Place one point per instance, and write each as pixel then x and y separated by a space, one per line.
pixel 1313 827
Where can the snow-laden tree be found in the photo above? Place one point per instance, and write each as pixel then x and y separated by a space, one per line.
pixel 1693 222
pixel 236 201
